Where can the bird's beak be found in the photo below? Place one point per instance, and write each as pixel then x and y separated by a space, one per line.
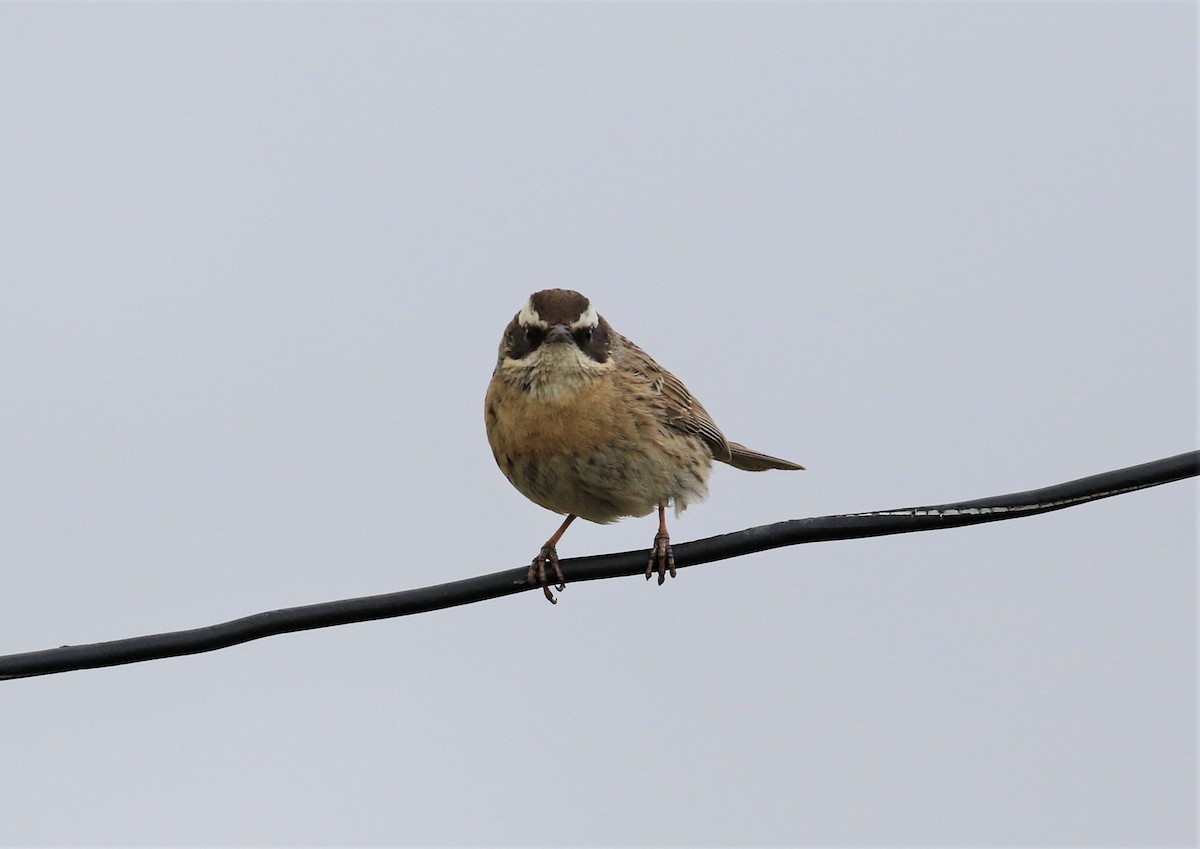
pixel 559 333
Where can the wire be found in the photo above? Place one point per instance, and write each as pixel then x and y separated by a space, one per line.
pixel 497 584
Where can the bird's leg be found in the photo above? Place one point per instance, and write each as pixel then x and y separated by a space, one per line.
pixel 548 554
pixel 662 558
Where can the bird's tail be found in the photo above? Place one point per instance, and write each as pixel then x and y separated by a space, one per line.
pixel 750 460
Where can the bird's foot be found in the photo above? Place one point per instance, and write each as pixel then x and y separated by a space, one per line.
pixel 537 572
pixel 662 558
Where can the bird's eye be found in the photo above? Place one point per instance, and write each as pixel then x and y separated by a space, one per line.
pixel 585 336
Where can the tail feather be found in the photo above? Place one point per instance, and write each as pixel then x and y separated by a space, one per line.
pixel 750 460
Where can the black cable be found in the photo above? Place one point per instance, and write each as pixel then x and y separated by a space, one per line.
pixel 497 584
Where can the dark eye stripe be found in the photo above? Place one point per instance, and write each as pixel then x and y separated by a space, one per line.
pixel 520 340
pixel 593 341
pixel 523 340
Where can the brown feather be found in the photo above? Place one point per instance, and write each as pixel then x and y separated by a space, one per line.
pixel 750 460
pixel 683 412
pixel 686 414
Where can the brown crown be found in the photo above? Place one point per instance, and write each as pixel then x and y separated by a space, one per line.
pixel 558 306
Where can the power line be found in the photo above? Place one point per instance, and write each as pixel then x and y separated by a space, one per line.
pixel 497 584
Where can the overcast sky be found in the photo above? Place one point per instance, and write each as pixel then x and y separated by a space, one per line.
pixel 255 261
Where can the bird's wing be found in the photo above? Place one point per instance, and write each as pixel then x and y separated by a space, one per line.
pixel 683 412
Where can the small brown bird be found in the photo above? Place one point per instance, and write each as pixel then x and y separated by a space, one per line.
pixel 583 422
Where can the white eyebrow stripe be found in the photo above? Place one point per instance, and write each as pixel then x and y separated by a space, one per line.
pixel 587 319
pixel 529 317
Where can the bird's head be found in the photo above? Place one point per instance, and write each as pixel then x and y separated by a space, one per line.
pixel 554 343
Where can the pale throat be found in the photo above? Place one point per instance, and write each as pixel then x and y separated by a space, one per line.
pixel 554 373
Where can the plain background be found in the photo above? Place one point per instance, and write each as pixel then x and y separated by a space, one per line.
pixel 256 260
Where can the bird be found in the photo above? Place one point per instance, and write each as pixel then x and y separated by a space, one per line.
pixel 586 424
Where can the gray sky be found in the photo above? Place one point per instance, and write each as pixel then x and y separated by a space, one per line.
pixel 256 263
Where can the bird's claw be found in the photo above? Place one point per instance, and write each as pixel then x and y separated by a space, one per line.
pixel 662 558
pixel 537 572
